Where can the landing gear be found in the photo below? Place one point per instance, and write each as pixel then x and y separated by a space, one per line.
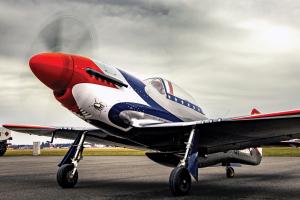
pixel 3 147
pixel 67 174
pixel 180 178
pixel 229 172
pixel 180 181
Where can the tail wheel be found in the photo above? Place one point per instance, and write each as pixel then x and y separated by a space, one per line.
pixel 180 181
pixel 65 176
pixel 3 148
pixel 229 172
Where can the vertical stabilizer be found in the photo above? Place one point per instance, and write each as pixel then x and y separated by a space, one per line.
pixel 255 112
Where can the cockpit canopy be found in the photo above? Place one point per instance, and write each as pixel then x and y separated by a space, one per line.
pixel 169 89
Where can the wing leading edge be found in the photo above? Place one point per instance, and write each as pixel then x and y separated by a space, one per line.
pixel 234 133
pixel 97 136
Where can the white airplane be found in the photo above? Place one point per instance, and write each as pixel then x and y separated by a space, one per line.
pixel 153 114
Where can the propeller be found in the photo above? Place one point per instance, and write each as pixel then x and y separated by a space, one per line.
pixel 64 34
pixel 61 33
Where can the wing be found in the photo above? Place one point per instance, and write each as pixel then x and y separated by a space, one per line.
pixel 59 132
pixel 93 135
pixel 229 134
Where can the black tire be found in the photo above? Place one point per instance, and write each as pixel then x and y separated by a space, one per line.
pixel 64 176
pixel 229 172
pixel 3 147
pixel 180 181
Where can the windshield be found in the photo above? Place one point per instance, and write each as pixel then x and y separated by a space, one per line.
pixel 168 88
pixel 157 84
pixel 175 90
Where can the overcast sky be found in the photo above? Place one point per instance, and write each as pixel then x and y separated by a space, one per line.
pixel 230 55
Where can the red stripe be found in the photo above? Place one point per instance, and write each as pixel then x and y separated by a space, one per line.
pixel 25 126
pixel 277 114
pixel 171 88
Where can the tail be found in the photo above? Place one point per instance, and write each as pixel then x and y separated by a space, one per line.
pixel 255 112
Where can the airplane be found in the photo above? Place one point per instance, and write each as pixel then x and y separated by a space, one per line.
pixel 153 114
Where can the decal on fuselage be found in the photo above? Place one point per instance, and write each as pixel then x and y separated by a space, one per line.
pixel 98 105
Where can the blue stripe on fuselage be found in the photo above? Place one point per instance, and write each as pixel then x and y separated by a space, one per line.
pixel 139 87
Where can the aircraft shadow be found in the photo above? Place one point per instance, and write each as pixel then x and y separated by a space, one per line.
pixel 246 186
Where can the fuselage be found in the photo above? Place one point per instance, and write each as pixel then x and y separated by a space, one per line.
pixel 103 103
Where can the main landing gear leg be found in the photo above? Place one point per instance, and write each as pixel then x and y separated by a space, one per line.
pixel 67 174
pixel 180 178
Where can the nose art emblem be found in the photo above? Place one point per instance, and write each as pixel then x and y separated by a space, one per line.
pixel 98 105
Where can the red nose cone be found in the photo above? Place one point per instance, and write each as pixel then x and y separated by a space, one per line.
pixel 53 69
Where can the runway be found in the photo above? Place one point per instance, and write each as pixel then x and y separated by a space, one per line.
pixel 136 177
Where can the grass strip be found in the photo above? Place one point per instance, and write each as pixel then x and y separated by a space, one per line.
pixel 86 152
pixel 280 152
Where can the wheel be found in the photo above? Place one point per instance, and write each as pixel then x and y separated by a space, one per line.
pixel 64 176
pixel 180 181
pixel 3 148
pixel 229 172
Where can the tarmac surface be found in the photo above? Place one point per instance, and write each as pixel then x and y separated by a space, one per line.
pixel 136 177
